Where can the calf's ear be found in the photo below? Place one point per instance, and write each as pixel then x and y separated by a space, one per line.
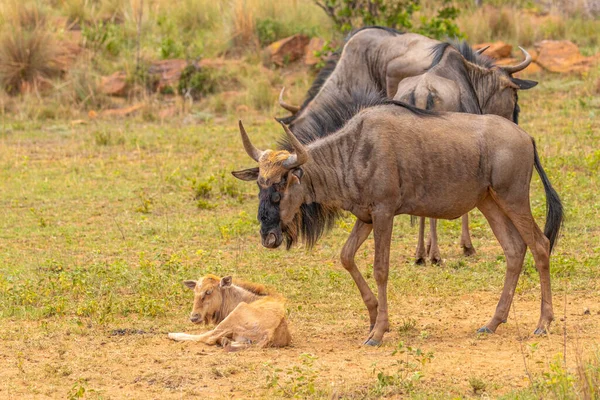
pixel 250 174
pixel 225 282
pixel 190 284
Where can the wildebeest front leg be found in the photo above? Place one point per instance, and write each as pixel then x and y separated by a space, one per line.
pixel 433 249
pixel 514 250
pixel 465 237
pixel 421 252
pixel 383 223
pixel 359 234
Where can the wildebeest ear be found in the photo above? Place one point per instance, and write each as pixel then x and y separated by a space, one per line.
pixel 298 173
pixel 523 84
pixel 250 174
pixel 190 284
pixel 225 282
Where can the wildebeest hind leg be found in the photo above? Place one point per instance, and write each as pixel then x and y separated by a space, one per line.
pixel 359 234
pixel 421 252
pixel 465 237
pixel 514 250
pixel 520 214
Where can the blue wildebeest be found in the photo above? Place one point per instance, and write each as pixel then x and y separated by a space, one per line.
pixel 372 168
pixel 381 59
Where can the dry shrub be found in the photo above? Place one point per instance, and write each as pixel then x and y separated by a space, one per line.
pixel 27 59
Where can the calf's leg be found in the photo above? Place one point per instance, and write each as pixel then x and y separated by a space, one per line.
pixel 359 234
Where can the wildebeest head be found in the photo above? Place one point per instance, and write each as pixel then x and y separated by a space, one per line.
pixel 278 175
pixel 209 293
pixel 502 98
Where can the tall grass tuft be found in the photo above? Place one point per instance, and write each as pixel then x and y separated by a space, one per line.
pixel 28 52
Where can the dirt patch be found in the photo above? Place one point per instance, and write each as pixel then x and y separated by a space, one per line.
pixel 48 362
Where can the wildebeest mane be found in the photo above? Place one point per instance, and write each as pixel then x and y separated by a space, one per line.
pixel 464 49
pixel 255 288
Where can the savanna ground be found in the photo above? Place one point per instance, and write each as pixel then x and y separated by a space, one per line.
pixel 102 220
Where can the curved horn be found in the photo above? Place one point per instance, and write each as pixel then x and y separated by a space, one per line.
pixel 250 149
pixel 481 50
pixel 511 69
pixel 301 156
pixel 283 104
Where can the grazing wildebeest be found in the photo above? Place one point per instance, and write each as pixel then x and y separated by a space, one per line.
pixel 373 168
pixel 445 87
pixel 381 59
pixel 245 313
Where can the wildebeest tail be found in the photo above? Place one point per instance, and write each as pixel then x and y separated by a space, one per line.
pixel 554 208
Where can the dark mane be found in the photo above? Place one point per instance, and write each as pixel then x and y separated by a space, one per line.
pixel 464 49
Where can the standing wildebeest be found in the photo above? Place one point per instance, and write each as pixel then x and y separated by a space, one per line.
pixel 381 59
pixel 444 87
pixel 372 167
pixel 244 313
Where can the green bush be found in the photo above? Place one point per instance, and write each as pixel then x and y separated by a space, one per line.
pixel 397 14
pixel 197 82
pixel 269 30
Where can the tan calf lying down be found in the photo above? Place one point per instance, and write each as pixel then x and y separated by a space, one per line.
pixel 244 313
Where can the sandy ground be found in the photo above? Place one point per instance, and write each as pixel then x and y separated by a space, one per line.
pixel 39 360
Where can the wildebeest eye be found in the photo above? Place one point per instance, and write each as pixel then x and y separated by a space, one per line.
pixel 275 197
pixel 208 292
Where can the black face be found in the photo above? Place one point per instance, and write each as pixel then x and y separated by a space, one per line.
pixel 516 110
pixel 268 216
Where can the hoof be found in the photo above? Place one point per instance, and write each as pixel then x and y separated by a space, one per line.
pixel 484 329
pixel 468 251
pixel 436 260
pixel 540 331
pixel 372 342
pixel 420 261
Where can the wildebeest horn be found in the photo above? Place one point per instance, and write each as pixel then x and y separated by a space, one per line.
pixel 301 156
pixel 511 69
pixel 283 104
pixel 481 50
pixel 250 149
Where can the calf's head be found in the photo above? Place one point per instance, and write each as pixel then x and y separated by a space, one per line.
pixel 279 177
pixel 209 295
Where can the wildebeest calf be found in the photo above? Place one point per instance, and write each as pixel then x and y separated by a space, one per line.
pixel 245 313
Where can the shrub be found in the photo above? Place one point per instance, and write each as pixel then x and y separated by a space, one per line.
pixel 197 82
pixel 350 14
pixel 269 30
pixel 27 57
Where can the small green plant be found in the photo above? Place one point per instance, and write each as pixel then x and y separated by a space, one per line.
pixel 78 390
pixel 269 30
pixel 170 48
pixel 296 381
pixel 323 54
pixel 406 374
pixel 145 206
pixel 477 384
pixel 102 36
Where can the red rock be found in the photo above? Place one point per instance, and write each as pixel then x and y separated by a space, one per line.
pixel 115 84
pixel 287 50
pixel 122 112
pixel 168 72
pixel 315 44
pixel 562 56
pixel 497 50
